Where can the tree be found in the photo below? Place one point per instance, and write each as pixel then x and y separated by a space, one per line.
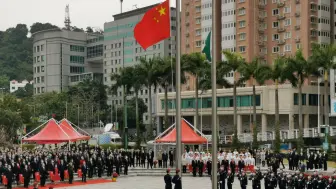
pixel 36 27
pixel 276 74
pixel 195 64
pixel 24 92
pixel 257 72
pixel 233 62
pixel 297 70
pixel 150 69
pixel 89 30
pixel 4 82
pixel 323 56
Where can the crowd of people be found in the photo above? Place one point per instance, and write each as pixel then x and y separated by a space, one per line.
pixel 59 164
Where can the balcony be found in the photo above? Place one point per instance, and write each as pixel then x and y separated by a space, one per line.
pixel 281 42
pixel 280 4
pixel 187 34
pixel 297 1
pixel 297 40
pixel 261 30
pixel 261 6
pixel 297 14
pixel 261 43
pixel 313 24
pixel 187 13
pixel 297 27
pixel 280 29
pixel 280 17
pixel 261 18
pixel 187 24
pixel 262 55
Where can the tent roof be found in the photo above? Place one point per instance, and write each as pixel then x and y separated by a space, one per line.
pixel 52 133
pixel 73 134
pixel 189 136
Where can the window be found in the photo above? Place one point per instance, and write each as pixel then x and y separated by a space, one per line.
pixel 42 58
pixel 42 79
pixel 38 48
pixel 275 37
pixel 42 47
pixel 76 69
pixel 198 43
pixel 242 11
pixel 276 49
pixel 198 9
pixel 198 32
pixel 38 58
pixel 313 99
pixel 94 51
pixel 76 48
pixel 275 24
pixel 296 99
pixel 198 20
pixel 242 23
pixel 34 59
pixel 287 10
pixel 287 22
pixel 275 11
pixel 42 68
pixel 242 48
pixel 288 48
pixel 77 59
pixel 242 36
pixel 287 35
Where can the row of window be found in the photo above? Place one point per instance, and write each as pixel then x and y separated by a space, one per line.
pixel 207 17
pixel 76 48
pixel 39 79
pixel 39 90
pixel 38 69
pixel 206 5
pixel 228 12
pixel 228 37
pixel 94 40
pixel 222 102
pixel 229 25
pixel 38 48
pixel 77 59
pixel 95 51
pixel 39 59
pixel 76 69
pixel 312 99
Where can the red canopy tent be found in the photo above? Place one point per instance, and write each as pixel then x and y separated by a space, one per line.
pixel 189 135
pixel 72 132
pixel 52 133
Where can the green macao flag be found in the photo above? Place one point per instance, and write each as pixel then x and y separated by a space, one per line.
pixel 207 48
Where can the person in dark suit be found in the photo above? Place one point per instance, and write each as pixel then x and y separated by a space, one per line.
pixel 168 180
pixel 165 159
pixel 171 158
pixel 26 175
pixel 177 180
pixel 61 168
pixel 9 176
pixel 325 160
pixel 143 158
pixel 71 172
pixel 90 167
pixel 126 164
pixel 44 175
pixel 84 171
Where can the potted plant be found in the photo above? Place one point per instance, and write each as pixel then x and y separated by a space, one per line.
pixel 114 177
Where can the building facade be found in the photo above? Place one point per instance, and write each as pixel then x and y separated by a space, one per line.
pixel 60 54
pixel 288 108
pixel 15 85
pixel 122 50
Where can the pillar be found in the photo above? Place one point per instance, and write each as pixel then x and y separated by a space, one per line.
pixel 239 124
pixel 263 123
pixel 158 125
pixel 290 121
pixel 306 120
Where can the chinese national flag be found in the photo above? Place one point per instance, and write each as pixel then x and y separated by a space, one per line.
pixel 154 26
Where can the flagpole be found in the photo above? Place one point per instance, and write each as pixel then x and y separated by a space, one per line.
pixel 214 97
pixel 178 87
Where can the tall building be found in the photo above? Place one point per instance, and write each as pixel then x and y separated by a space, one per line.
pixel 122 50
pixel 63 58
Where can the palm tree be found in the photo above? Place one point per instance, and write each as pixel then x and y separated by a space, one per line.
pixel 232 63
pixel 150 71
pixel 297 70
pixel 195 63
pixel 258 73
pixel 137 83
pixel 323 56
pixel 275 73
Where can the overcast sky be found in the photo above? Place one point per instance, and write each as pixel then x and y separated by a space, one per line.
pixel 83 13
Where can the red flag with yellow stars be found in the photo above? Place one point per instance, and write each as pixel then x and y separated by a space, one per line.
pixel 154 26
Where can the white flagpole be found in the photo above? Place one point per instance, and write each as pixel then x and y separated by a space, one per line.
pixel 214 97
pixel 178 87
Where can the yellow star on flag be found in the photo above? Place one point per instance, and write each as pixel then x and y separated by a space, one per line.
pixel 162 11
